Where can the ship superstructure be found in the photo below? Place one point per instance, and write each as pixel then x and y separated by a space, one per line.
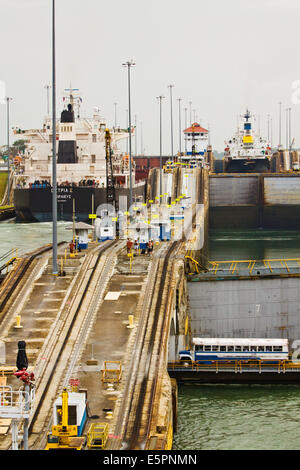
pixel 80 150
pixel 196 145
pixel 247 151
pixel 81 165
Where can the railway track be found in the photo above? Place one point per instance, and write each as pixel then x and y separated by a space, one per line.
pixel 17 279
pixel 68 337
pixel 130 430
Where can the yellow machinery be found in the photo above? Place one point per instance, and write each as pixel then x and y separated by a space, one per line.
pixel 112 372
pixel 64 436
pixel 97 436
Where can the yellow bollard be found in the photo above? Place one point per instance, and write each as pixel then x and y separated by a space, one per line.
pixel 131 320
pixel 65 255
pixel 130 256
pixel 18 322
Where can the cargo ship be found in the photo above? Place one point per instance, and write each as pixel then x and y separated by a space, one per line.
pixel 247 151
pixel 81 167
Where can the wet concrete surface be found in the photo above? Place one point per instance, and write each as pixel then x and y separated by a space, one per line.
pixel 44 301
pixel 108 342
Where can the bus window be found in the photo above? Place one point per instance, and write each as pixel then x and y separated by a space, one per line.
pixel 277 348
pixel 245 348
pixel 261 348
pixel 269 348
pixel 198 347
pixel 230 348
pixel 215 348
pixel 223 348
pixel 238 348
pixel 253 348
pixel 207 348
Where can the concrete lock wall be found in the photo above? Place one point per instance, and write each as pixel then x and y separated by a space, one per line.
pixel 253 201
pixel 262 308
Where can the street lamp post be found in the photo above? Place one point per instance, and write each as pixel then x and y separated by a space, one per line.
pixel 127 127
pixel 190 103
pixel 160 98
pixel 179 123
pixel 279 143
pixel 185 125
pixel 271 132
pixel 129 64
pixel 47 87
pixel 290 129
pixel 142 140
pixel 8 151
pixel 135 135
pixel 287 128
pixel 171 103
pixel 115 104
pixel 54 183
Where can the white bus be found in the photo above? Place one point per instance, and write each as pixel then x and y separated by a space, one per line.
pixel 233 349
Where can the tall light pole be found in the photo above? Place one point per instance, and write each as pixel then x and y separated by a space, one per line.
pixel 271 132
pixel 127 126
pixel 47 87
pixel 190 103
pixel 290 128
pixel 135 135
pixel 142 140
pixel 115 105
pixel 54 183
pixel 8 150
pixel 171 109
pixel 279 143
pixel 179 123
pixel 287 128
pixel 129 64
pixel 160 98
pixel 185 125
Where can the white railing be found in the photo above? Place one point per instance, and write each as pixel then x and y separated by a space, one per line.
pixel 15 403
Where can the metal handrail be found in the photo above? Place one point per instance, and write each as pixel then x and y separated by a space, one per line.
pixel 233 264
pixel 15 403
pixel 235 366
pixel 11 260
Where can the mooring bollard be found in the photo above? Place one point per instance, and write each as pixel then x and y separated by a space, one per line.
pixel 18 322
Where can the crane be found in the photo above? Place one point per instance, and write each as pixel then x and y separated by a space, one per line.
pixel 64 435
pixel 110 182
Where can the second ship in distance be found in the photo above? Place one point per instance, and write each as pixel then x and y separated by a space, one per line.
pixel 247 151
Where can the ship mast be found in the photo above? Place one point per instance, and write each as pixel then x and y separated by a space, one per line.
pixel 72 96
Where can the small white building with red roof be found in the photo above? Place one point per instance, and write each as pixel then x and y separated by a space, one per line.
pixel 196 140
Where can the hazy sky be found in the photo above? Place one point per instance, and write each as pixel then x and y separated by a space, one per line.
pixel 223 56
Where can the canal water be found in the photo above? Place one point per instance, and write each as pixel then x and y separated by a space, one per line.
pixel 29 236
pixel 240 417
pixel 253 244
pixel 232 417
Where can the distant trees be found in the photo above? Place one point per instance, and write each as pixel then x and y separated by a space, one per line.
pixel 18 146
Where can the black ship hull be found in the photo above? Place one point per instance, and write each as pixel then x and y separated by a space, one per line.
pixel 255 165
pixel 35 204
